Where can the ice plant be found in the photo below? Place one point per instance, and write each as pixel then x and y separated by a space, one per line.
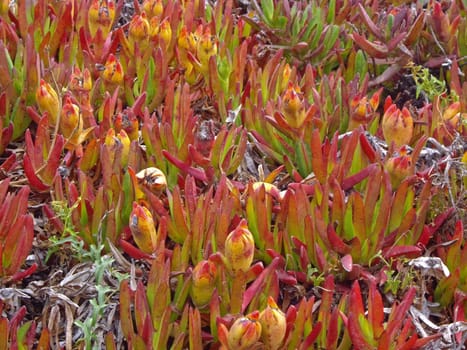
pixel 239 248
pixel 186 49
pixel 101 15
pixel 119 146
pixel 113 71
pixel 273 325
pixel 292 106
pixel 71 124
pixel 153 8
pixel 138 33
pixel 203 283
pixel 165 34
pixel 363 111
pixel 244 333
pixel 399 167
pixel 48 101
pixel 16 231
pixel 397 125
pixel 205 48
pixel 143 229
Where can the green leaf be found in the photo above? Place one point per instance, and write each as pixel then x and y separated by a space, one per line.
pixel 268 9
pixel 361 65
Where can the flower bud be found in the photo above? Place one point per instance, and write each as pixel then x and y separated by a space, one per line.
pixel 142 228
pixel 399 167
pixel 203 283
pixel 113 71
pixel 186 40
pixel 358 112
pixel 239 248
pixel 245 332
pixel 165 33
pixel 127 121
pixel 273 325
pixel 120 142
pixel 186 44
pixel 292 106
pixel 287 71
pixel 138 32
pixel 153 8
pixel 101 15
pixel 47 101
pixel 71 123
pixel 152 179
pixel 397 126
pixel 80 81
pixel 205 48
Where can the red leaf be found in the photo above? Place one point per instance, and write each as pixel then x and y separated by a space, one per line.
pixel 367 148
pixel 254 288
pixel 347 262
pixel 317 159
pixel 310 339
pixel 134 252
pixel 9 164
pixel 337 243
pixel 398 314
pixel 23 274
pixel 126 317
pixel 356 335
pixel 18 244
pixel 369 23
pixel 372 49
pixel 375 310
pixel 355 300
pixel 402 251
pixel 352 180
pixel 198 174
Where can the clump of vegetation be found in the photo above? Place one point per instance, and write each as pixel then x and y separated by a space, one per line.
pixel 229 174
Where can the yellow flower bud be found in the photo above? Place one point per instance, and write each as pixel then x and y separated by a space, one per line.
pixel 397 126
pixel 101 15
pixel 143 229
pixel 139 31
pixel 154 27
pixel 186 41
pixel 245 332
pixel 358 114
pixel 293 107
pixel 287 71
pixel 125 141
pixel 47 101
pixel 186 44
pixel 239 248
pixel 165 33
pixel 399 167
pixel 203 283
pixel 273 326
pixel 120 142
pixel 71 123
pixel 205 48
pixel 153 8
pixel 113 71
